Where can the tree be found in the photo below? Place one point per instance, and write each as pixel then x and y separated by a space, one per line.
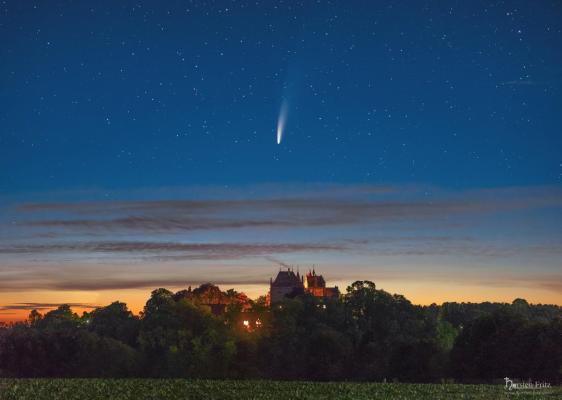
pixel 506 344
pixel 115 321
pixel 182 339
pixel 386 330
pixel 367 334
pixel 62 318
pixel 34 317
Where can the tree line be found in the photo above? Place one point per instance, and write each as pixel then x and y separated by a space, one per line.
pixel 366 334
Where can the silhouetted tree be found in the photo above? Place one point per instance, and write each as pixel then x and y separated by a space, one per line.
pixel 182 339
pixel 115 321
pixel 366 334
pixel 504 343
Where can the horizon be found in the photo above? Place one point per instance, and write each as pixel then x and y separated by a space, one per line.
pixel 252 291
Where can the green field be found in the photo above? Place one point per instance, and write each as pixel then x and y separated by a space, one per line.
pixel 121 389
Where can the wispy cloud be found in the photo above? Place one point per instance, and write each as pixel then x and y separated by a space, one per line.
pixel 199 251
pixel 103 279
pixel 379 246
pixel 278 262
pixel 43 306
pixel 167 216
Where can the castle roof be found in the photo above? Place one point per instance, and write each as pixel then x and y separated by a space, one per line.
pixel 313 280
pixel 286 279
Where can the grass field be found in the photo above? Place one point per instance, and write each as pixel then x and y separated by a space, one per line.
pixel 129 389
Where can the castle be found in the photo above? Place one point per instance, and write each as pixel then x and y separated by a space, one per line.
pixel 289 284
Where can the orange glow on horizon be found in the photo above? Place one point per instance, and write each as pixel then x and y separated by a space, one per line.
pixel 418 292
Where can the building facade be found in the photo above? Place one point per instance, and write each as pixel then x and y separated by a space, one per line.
pixel 286 283
pixel 316 286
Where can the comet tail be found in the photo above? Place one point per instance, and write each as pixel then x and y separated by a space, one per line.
pixel 281 121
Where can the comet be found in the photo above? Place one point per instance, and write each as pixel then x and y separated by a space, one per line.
pixel 281 121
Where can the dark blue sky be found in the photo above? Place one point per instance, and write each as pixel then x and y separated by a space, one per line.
pixel 138 148
pixel 128 94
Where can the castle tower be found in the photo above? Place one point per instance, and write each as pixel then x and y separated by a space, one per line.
pixel 287 283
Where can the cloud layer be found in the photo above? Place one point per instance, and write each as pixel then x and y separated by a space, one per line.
pixel 190 215
pixel 67 245
pixel 197 251
pixel 42 306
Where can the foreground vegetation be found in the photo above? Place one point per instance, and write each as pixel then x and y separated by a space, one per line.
pixel 128 389
pixel 365 335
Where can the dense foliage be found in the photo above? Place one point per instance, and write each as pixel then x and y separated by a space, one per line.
pixel 367 334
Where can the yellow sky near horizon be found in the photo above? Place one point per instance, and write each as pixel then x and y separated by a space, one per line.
pixel 422 292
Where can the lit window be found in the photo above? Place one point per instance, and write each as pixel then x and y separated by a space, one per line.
pixel 246 323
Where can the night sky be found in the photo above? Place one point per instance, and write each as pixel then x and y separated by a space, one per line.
pixel 421 149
